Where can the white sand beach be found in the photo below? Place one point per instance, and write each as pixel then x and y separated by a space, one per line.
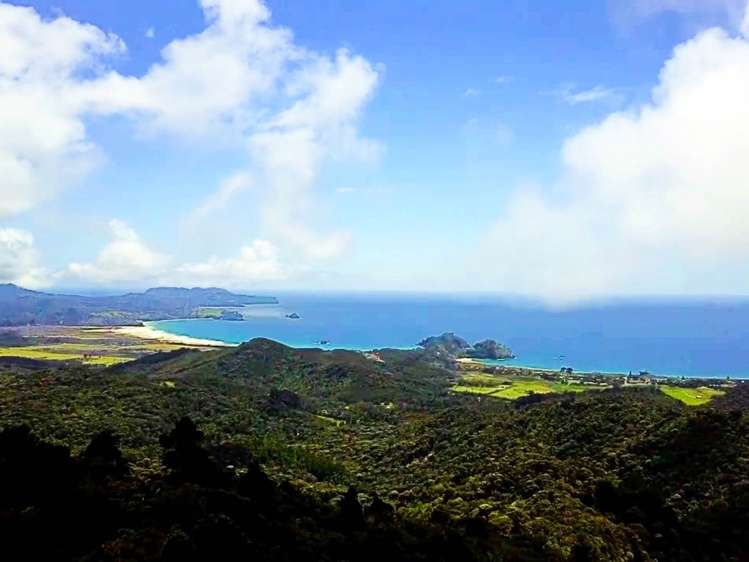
pixel 148 333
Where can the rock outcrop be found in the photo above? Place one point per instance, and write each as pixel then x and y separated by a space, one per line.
pixel 448 346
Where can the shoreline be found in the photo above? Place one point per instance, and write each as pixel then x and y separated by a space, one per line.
pixel 734 378
pixel 146 332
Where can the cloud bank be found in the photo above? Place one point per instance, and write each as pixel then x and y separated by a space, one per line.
pixel 43 143
pixel 651 200
pixel 241 79
pixel 126 258
pixel 19 262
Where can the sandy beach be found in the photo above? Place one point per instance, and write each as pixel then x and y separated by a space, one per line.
pixel 148 333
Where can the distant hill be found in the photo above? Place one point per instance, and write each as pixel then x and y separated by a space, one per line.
pixel 334 378
pixel 19 306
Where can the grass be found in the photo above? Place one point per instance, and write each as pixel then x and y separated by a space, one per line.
pixel 513 388
pixel 691 396
pixel 100 346
pixel 476 389
pixel 524 387
pixel 53 354
pixel 483 380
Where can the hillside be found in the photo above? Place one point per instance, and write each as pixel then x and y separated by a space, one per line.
pixel 20 306
pixel 626 474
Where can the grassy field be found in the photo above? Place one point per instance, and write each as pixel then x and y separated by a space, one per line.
pixel 691 396
pixel 92 346
pixel 45 353
pixel 512 388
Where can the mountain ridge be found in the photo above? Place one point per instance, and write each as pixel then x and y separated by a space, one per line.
pixel 20 306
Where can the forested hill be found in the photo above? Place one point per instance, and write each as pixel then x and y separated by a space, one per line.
pixel 19 306
pixel 102 464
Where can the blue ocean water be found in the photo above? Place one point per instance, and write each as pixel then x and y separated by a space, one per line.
pixel 706 339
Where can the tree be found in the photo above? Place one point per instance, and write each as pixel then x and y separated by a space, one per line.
pixel 103 456
pixel 185 457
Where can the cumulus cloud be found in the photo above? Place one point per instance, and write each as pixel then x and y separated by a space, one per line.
pixel 651 200
pixel 125 259
pixel 241 78
pixel 257 263
pixel 210 82
pixel 43 144
pixel 291 147
pixel 19 262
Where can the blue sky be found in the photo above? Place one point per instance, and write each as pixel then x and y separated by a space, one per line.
pixel 537 148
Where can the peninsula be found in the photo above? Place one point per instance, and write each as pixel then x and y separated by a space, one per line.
pixel 22 307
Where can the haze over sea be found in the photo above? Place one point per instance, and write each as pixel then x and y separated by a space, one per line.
pixel 689 338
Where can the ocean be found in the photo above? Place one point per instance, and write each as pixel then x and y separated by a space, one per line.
pixel 686 338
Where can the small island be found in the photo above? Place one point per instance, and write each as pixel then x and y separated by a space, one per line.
pixel 293 316
pixel 450 346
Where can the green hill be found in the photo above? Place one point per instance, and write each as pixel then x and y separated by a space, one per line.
pixel 627 474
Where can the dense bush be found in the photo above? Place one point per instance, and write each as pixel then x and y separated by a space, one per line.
pixel 256 448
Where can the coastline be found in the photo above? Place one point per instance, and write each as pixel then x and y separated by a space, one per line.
pixel 592 373
pixel 154 334
pixel 147 332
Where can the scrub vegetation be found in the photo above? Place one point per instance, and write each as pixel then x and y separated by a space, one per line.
pixel 189 455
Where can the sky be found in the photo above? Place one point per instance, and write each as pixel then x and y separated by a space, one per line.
pixel 561 151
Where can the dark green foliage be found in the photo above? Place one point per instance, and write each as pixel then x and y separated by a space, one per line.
pixel 185 457
pixel 352 515
pixel 173 520
pixel 255 449
pixel 103 456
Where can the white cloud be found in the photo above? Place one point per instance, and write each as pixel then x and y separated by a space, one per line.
pixel 229 188
pixel 471 93
pixel 745 23
pixel 43 145
pixel 240 79
pixel 128 259
pixel 652 200
pixel 503 79
pixel 212 82
pixel 125 258
pixel 19 262
pixel 571 96
pixel 150 33
pixel 257 263
pixel 293 145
